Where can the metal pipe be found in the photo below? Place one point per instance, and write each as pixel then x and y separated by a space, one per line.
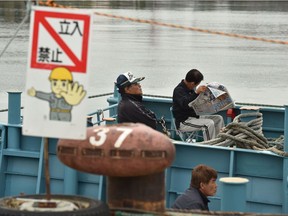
pixel 234 194
pixel 14 107
pixel 47 171
pixel 285 164
pixel 286 129
pixel 14 120
pixel 145 193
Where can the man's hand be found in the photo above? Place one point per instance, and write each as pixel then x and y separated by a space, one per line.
pixel 201 89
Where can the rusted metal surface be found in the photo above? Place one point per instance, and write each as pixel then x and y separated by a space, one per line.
pixel 118 150
pixel 140 192
pixel 133 156
pixel 45 204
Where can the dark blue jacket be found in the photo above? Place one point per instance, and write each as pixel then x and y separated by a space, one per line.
pixel 192 198
pixel 182 96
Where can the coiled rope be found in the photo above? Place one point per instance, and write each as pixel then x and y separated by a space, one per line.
pixel 248 135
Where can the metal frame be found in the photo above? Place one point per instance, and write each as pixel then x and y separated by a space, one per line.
pixel 185 136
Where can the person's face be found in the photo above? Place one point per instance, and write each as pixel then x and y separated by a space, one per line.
pixel 58 86
pixel 196 85
pixel 192 85
pixel 210 188
pixel 135 88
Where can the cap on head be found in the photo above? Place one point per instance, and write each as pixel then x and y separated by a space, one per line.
pixel 127 79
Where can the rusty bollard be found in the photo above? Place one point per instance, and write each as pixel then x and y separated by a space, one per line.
pixel 132 156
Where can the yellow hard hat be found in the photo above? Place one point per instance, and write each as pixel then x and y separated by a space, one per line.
pixel 60 73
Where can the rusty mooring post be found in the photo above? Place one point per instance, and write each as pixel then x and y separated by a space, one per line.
pixel 141 192
pixel 132 156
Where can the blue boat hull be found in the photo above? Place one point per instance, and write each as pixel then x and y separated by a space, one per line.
pixel 22 164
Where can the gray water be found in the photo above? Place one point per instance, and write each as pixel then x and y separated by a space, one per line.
pixel 253 71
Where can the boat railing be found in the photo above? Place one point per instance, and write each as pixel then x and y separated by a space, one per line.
pixel 100 116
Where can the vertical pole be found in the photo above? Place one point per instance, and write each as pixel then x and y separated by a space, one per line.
pixel 231 165
pixel 145 193
pixel 116 94
pixel 285 164
pixel 14 107
pixel 286 129
pixel 233 194
pixel 47 173
pixel 14 120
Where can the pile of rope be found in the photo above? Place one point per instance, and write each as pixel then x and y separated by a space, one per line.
pixel 248 135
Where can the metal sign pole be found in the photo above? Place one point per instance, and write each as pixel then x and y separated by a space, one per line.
pixel 47 173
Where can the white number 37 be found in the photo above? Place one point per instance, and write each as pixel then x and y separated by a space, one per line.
pixel 102 134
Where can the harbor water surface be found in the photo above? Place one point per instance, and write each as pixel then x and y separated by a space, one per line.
pixel 253 71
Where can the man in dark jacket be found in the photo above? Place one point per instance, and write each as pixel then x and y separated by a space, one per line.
pixel 202 185
pixel 186 119
pixel 131 108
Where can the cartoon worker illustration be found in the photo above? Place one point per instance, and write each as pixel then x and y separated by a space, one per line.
pixel 65 94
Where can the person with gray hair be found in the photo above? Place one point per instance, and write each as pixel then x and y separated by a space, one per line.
pixel 202 185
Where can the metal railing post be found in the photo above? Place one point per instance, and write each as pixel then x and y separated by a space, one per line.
pixel 14 120
pixel 285 164
pixel 234 194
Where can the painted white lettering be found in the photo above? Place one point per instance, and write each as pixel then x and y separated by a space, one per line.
pixel 102 134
